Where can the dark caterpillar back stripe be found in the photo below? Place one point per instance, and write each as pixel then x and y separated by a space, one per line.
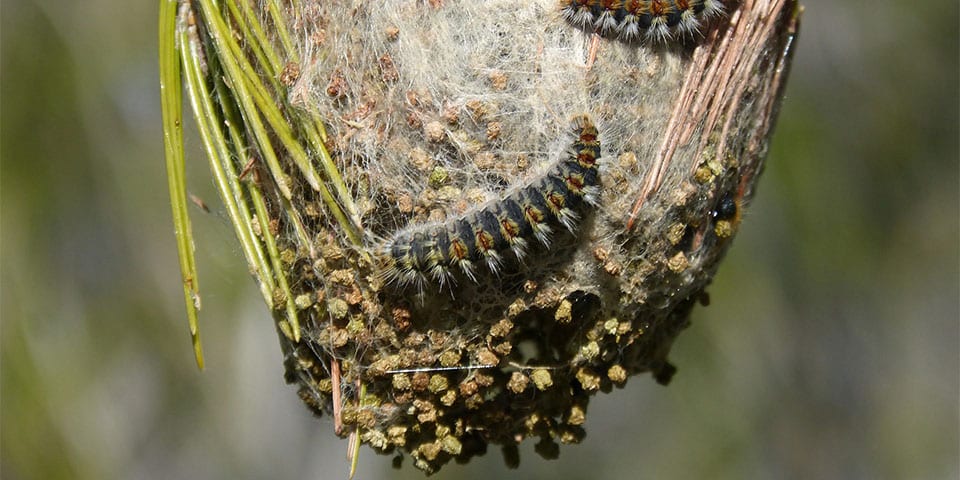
pixel 635 19
pixel 442 251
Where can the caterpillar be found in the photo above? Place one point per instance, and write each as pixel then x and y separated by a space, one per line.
pixel 442 251
pixel 727 208
pixel 726 216
pixel 631 20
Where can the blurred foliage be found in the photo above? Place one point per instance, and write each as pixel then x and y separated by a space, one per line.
pixel 830 349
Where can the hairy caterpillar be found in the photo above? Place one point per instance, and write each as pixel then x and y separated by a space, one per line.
pixel 443 250
pixel 634 19
pixel 726 216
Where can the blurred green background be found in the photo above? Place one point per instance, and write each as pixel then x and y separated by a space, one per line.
pixel 830 349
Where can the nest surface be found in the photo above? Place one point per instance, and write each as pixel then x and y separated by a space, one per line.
pixel 462 318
